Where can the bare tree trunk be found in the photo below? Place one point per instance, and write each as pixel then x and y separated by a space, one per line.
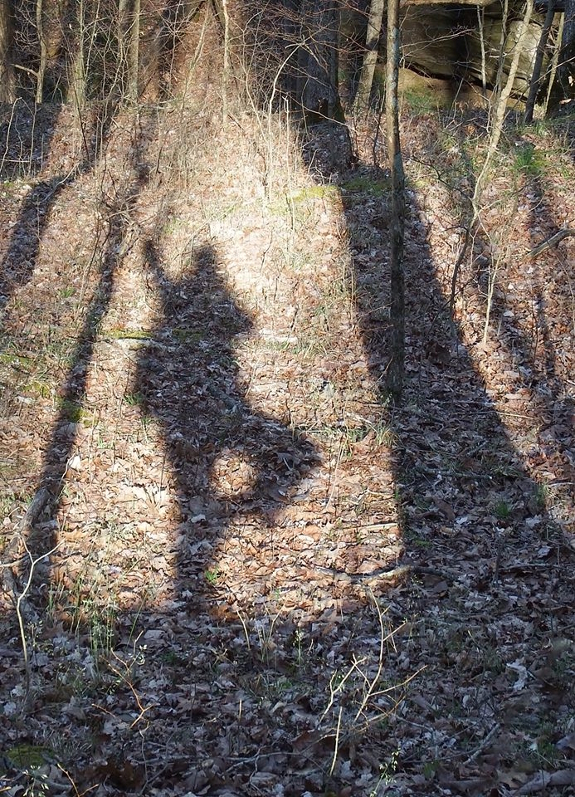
pixel 397 227
pixel 129 45
pixel 41 33
pixel 499 109
pixel 134 54
pixel 536 76
pixel 77 83
pixel 222 12
pixel 226 64
pixel 374 23
pixel 548 103
pixel 565 77
pixel 6 68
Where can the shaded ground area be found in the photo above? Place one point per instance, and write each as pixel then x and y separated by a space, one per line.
pixel 265 581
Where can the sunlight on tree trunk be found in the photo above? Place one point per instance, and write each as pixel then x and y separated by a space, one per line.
pixel 497 112
pixel 129 45
pixel 396 368
pixel 548 104
pixel 499 108
pixel 222 12
pixel 370 58
pixel 226 65
pixel 43 51
pixel 134 54
pixel 497 118
pixel 77 90
pixel 536 76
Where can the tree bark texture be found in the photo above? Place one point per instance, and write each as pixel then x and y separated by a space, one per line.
pixel 43 62
pixel 374 23
pixel 7 91
pixel 397 226
pixel 129 45
pixel 536 76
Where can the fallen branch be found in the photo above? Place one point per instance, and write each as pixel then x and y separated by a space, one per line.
pixel 11 552
pixel 388 575
pixel 553 241
pixel 542 781
pixel 482 746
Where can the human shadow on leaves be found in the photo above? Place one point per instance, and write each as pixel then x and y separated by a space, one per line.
pixel 226 459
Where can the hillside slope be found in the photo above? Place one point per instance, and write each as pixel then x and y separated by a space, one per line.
pixel 251 575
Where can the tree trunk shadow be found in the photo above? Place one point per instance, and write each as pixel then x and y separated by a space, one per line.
pixel 475 524
pixel 473 455
pixel 36 537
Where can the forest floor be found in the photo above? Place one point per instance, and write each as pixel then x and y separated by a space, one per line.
pixel 236 569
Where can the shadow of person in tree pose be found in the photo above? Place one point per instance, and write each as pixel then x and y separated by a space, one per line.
pixel 226 459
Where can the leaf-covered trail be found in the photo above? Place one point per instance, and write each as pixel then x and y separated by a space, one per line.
pixel 192 361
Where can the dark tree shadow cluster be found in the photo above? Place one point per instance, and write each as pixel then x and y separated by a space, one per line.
pixel 465 495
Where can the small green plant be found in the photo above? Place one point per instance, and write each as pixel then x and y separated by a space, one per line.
pixel 134 399
pixel 71 410
pixel 27 755
pixel 430 768
pixel 314 192
pixel 542 750
pixel 502 510
pixel 298 646
pixel 39 388
pixel 366 185
pixel 541 496
pixel 387 771
pixel 186 335
pixel 212 576
pixel 17 360
pixel 528 160
pixel 128 334
pixel 100 622
pixel 173 659
pixel 492 661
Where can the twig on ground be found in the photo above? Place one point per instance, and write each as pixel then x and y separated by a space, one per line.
pixel 19 613
pixel 387 575
pixel 482 746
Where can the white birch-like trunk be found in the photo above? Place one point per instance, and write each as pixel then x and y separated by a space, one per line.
pixel 374 23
